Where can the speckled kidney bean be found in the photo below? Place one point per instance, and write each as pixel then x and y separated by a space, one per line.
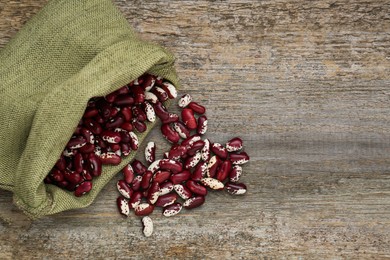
pixel 153 192
pixel 110 158
pixel 234 144
pixel 138 113
pixel 150 152
pixel 124 189
pixel 202 125
pixel 180 177
pixel 172 117
pixel 185 100
pixel 136 183
pixel 171 165
pixel 149 111
pixel 172 210
pixel 166 187
pixel 147 226
pixel 134 143
pixel 235 188
pixel 154 166
pixel 235 173
pixel 181 129
pixel 166 200
pixel 190 140
pixel 182 191
pixel 212 183
pixel 177 152
pixel 146 180
pixel 76 142
pixel 143 209
pixel 219 150
pixel 135 199
pixel 160 93
pixel 169 134
pixel 111 136
pixel 201 171
pixel 152 98
pixel 192 161
pixel 195 147
pixel 213 164
pixel 206 150
pixel 169 89
pixel 123 206
pixel 194 202
pixel 239 158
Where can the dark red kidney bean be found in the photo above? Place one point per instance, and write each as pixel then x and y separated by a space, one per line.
pixel 153 192
pixel 99 119
pixel 61 163
pixel 78 163
pixel 88 148
pixel 169 89
pixel 169 134
pixel 124 100
pixel 128 174
pixel 125 148
pixel 63 184
pixel 56 175
pixel 99 142
pixel 196 188
pixel 123 90
pixel 212 183
pixel 146 180
pixel 134 143
pixel 161 111
pixel 219 150
pixel 235 188
pixel 206 150
pixel 166 200
pixel 90 112
pixel 195 147
pixel 143 209
pixel 123 206
pixel 182 191
pixel 170 165
pixel 111 137
pixel 223 170
pixel 180 177
pixel 77 131
pixel 235 173
pixel 138 167
pixel 135 199
pixel 172 210
pixel 239 158
pixel 115 122
pixel 139 94
pixel 86 175
pixel 150 152
pixel 192 161
pixel 160 93
pixel 201 171
pixel 148 82
pixel 177 152
pixel 185 100
pixel 104 107
pixel 171 118
pixel 202 125
pixel 88 135
pixel 199 109
pixel 139 113
pixel 136 183
pixel 181 129
pixel 139 125
pixel 213 166
pixel 76 142
pixel 124 189
pixel 161 176
pixel 111 96
pixel 114 111
pixel 166 187
pixel 94 164
pixel 127 113
pixel 188 118
pixel 234 144
pixel 110 158
pixel 83 188
pixel 73 177
pixel 127 126
pixel 194 202
pixel 190 140
pixel 150 97
pixel 149 111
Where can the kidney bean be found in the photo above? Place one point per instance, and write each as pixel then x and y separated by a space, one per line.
pixel 161 111
pixel 172 210
pixel 181 129
pixel 72 177
pixel 169 133
pixel 123 206
pixel 63 184
pixel 194 202
pixel 124 100
pixel 127 113
pixel 134 143
pixel 139 113
pixel 166 200
pixel 147 226
pixel 149 111
pixel 161 176
pixel 88 148
pixel 219 150
pixel 202 125
pixel 188 118
pixel 223 170
pixel 115 122
pixel 197 108
pixel 136 183
pixel 169 89
pixel 213 165
pixel 146 179
pixel 196 188
pixel 56 175
pixel 239 158
pixel 195 147
pixel 166 187
pixel 185 100
pixel 99 142
pixel 235 188
pixel 97 151
pixel 94 164
pixel 177 152
pixel 143 209
pixel 171 118
pixel 90 112
pixel 124 134
pixel 150 97
pixel 139 125
pixel 192 161
pixel 170 165
pixel 138 167
pixel 150 152
pixel 235 173
pixel 83 188
pixel 88 135
pixel 182 191
pixel 139 94
pixel 86 175
pixel 110 158
pixel 154 166
pixel 206 150
pixel 128 173
pixel 234 145
pixel 153 192
pixel 160 93
pixel 201 170
pixel 124 189
pixel 61 163
pixel 111 136
pixel 212 183
pixel 180 177
pixel 76 142
pixel 135 199
pixel 104 107
pixel 148 82
pixel 190 140
pixel 127 126
pixel 78 163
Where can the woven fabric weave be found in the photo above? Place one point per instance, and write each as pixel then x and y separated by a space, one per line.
pixel 70 51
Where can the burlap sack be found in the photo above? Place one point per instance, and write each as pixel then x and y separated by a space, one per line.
pixel 70 51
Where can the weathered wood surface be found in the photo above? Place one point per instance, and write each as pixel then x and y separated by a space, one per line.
pixel 307 86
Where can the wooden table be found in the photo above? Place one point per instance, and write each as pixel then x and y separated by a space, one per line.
pixel 306 84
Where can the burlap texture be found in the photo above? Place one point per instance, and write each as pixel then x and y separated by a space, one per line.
pixel 70 51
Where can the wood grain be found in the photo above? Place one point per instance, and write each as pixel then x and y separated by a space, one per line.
pixel 307 86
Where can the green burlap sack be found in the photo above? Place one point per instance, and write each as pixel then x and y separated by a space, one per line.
pixel 70 51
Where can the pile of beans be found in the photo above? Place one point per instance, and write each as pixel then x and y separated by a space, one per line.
pixel 107 131
pixel 191 168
